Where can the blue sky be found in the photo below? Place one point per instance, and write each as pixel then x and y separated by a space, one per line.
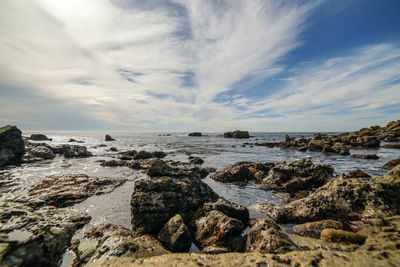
pixel 183 65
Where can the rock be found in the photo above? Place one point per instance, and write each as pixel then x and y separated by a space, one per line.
pixel 38 153
pixel 213 250
pixel 72 151
pixel 39 137
pixel 391 164
pixel 297 176
pixel 194 134
pixel 197 161
pixel 316 145
pixel 216 228
pixel 110 241
pixel 237 134
pixel 108 138
pixel 236 173
pixel 12 145
pixel 395 146
pixel 265 236
pixel 357 174
pixel 365 156
pixel 230 209
pixel 334 235
pixel 74 141
pixel 68 190
pixel 159 168
pixel 127 155
pixel 313 229
pixel 143 155
pixel 154 201
pixel 358 202
pixel 175 236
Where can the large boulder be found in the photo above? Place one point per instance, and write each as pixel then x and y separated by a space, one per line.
pixel 237 134
pixel 39 137
pixel 175 236
pixel 38 153
pixel 11 145
pixel 72 151
pixel 238 172
pixel 154 201
pixel 230 209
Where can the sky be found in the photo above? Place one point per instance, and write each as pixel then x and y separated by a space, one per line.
pixel 199 65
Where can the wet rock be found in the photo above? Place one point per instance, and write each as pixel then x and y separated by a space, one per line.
pixel 297 176
pixel 237 134
pixel 394 146
pixel 113 149
pixel 68 190
pixel 391 164
pixel 216 228
pixel 194 134
pixel 356 201
pixel 365 156
pixel 108 138
pixel 159 154
pixel 230 209
pixel 334 235
pixel 175 236
pixel 156 200
pixel 113 163
pixel 110 241
pixel 357 174
pixel 72 151
pixel 39 137
pixel 74 141
pixel 127 155
pixel 159 168
pixel 143 155
pixel 236 173
pixel 197 161
pixel 12 145
pixel 38 153
pixel 314 229
pixel 265 236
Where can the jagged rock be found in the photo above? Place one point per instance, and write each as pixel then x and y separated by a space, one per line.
pixel 395 146
pixel 143 155
pixel 216 228
pixel 67 190
pixel 12 145
pixel 265 236
pixel 39 137
pixel 194 134
pixel 230 209
pixel 391 164
pixel 357 174
pixel 365 156
pixel 110 241
pixel 175 236
pixel 237 134
pixel 334 235
pixel 108 138
pixel 356 201
pixel 72 151
pixel 236 173
pixel 155 201
pixel 197 161
pixel 38 153
pixel 314 229
pixel 159 168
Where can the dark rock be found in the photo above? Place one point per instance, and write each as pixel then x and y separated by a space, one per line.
pixel 236 173
pixel 237 134
pixel 314 229
pixel 108 138
pixel 39 137
pixel 127 155
pixel 12 145
pixel 75 141
pixel 155 201
pixel 114 149
pixel 159 168
pixel 143 155
pixel 395 146
pixel 194 134
pixel 38 153
pixel 365 156
pixel 72 151
pixel 357 174
pixel 391 164
pixel 230 209
pixel 175 236
pixel 197 161
pixel 265 236
pixel 159 154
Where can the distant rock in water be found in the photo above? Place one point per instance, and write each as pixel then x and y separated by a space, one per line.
pixel 195 134
pixel 109 138
pixel 365 156
pixel 12 145
pixel 237 134
pixel 39 137
pixel 391 164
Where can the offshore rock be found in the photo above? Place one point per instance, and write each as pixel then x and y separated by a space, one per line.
pixel 39 137
pixel 12 145
pixel 72 151
pixel 175 236
pixel 108 138
pixel 237 134
pixel 194 134
pixel 357 174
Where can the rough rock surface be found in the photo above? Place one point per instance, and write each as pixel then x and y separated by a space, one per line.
pixel 334 235
pixel 11 145
pixel 237 134
pixel 391 164
pixel 109 241
pixel 38 153
pixel 357 202
pixel 156 200
pixel 265 236
pixel 175 236
pixel 365 156
pixel 39 137
pixel 314 229
pixel 230 209
pixel 63 191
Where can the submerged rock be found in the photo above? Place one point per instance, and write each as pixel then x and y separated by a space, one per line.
pixel 12 145
pixel 39 137
pixel 175 236
pixel 108 138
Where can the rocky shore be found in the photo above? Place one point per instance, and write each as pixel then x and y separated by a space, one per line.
pixel 351 219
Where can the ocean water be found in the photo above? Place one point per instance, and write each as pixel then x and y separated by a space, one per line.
pixel 217 152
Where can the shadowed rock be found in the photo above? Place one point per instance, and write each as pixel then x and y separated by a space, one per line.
pixel 12 145
pixel 175 236
pixel 108 138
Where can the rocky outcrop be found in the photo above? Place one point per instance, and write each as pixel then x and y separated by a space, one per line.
pixel 11 145
pixel 39 137
pixel 38 153
pixel 230 209
pixel 357 202
pixel 265 236
pixel 391 164
pixel 194 134
pixel 238 172
pixel 108 138
pixel 237 134
pixel 365 156
pixel 63 191
pixel 175 236
pixel 314 229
